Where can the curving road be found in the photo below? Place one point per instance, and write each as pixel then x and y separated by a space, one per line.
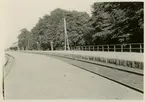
pixel 34 76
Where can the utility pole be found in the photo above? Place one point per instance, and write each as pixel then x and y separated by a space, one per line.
pixel 28 45
pixel 66 45
pixel 40 37
pixel 51 45
pixel 37 46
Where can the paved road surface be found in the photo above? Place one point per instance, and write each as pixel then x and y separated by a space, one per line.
pixel 35 76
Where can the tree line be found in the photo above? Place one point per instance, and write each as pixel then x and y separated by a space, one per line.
pixel 109 23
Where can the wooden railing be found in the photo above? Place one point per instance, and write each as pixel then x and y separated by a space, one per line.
pixel 132 47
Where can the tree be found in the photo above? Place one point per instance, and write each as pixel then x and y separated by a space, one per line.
pixel 117 22
pixel 40 33
pixel 110 23
pixel 51 28
pixel 76 26
pixel 23 39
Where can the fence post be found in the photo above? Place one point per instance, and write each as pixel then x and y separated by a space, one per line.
pixel 102 48
pixel 121 48
pixel 93 48
pixel 114 48
pixel 108 48
pixel 97 48
pixel 130 47
pixel 140 48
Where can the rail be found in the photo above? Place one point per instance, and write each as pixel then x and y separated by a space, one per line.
pixel 133 47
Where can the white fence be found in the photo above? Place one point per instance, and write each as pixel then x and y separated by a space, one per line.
pixel 132 47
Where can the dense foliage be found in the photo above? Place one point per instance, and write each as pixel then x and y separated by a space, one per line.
pixel 117 22
pixel 110 23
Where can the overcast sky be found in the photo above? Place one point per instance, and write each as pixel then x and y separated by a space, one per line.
pixel 18 14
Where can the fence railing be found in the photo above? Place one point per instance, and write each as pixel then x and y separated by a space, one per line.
pixel 132 47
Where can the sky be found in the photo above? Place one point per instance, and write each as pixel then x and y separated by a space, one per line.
pixel 18 14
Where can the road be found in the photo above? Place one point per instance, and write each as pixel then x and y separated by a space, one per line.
pixel 34 76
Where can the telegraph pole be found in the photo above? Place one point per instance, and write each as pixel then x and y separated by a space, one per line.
pixel 51 45
pixel 37 46
pixel 28 45
pixel 65 31
pixel 40 37
pixel 66 44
